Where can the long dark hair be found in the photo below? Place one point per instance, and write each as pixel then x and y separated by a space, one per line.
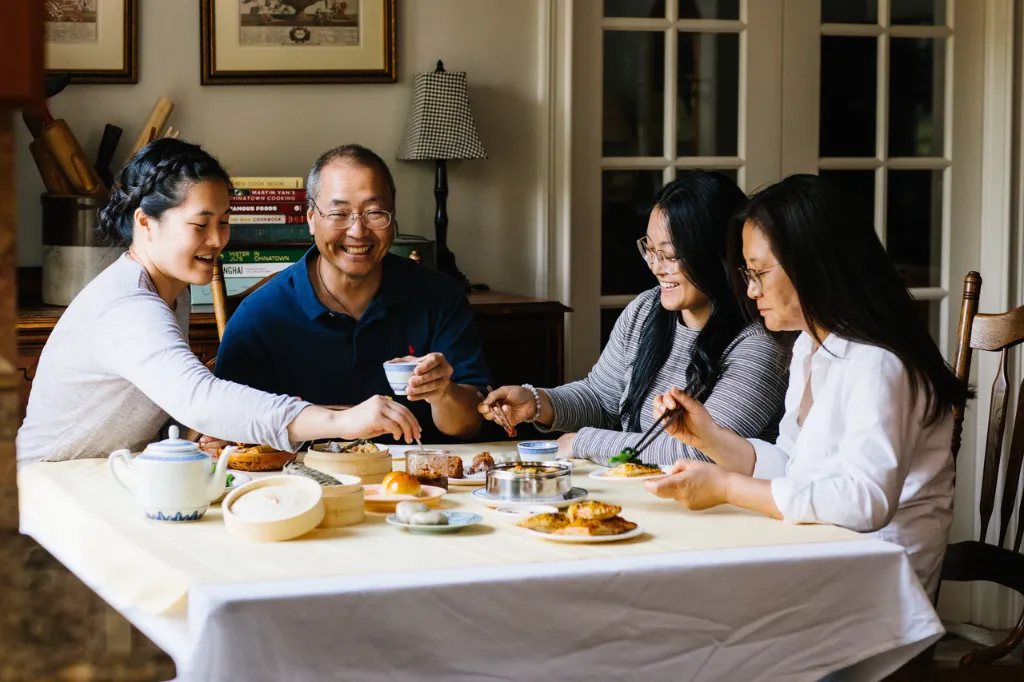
pixel 156 180
pixel 698 206
pixel 846 283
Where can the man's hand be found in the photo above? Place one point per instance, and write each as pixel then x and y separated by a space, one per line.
pixel 431 379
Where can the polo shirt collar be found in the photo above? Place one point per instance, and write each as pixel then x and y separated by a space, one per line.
pixel 393 287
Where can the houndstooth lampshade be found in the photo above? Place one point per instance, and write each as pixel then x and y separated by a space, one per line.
pixel 441 125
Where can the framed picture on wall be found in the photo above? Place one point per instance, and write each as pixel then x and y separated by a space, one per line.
pixel 96 41
pixel 246 42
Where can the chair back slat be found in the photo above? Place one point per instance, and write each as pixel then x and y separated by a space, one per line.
pixel 993 445
pixel 1013 466
pixel 1020 528
pixel 224 306
pixel 998 332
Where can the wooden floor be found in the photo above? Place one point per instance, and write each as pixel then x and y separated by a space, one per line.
pixel 53 627
pixel 943 663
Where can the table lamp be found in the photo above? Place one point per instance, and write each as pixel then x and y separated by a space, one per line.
pixel 441 129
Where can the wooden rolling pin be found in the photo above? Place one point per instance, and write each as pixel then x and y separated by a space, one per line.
pixel 153 125
pixel 54 179
pixel 60 159
pixel 72 158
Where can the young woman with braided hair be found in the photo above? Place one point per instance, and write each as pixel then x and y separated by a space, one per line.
pixel 118 363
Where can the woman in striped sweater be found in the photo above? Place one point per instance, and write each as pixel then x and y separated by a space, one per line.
pixel 691 327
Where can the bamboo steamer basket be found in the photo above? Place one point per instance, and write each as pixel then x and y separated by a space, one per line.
pixel 343 504
pixel 369 466
pixel 305 519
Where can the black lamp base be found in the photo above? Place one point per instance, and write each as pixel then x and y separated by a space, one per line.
pixel 445 257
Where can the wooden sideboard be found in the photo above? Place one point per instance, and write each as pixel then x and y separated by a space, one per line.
pixel 522 338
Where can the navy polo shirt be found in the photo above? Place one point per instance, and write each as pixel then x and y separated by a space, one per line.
pixel 282 339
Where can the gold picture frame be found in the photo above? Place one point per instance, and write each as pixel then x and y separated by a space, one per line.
pixel 94 41
pixel 251 42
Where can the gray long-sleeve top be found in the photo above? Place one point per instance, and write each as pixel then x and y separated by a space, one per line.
pixel 748 397
pixel 118 363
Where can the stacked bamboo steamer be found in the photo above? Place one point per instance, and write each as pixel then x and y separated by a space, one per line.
pixel 343 504
pixel 369 466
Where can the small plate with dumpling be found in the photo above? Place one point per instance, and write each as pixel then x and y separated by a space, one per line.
pixel 399 486
pixel 411 517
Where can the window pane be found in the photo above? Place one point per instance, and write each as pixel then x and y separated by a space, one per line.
pixel 644 9
pixel 849 11
pixel 626 198
pixel 930 313
pixel 858 189
pixel 917 96
pixel 707 115
pixel 709 9
pixel 608 318
pixel 634 87
pixel 914 225
pixel 848 78
pixel 922 12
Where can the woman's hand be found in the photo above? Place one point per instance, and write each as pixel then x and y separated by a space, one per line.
pixel 693 426
pixel 212 446
pixel 565 446
pixel 516 402
pixel 693 484
pixel 376 416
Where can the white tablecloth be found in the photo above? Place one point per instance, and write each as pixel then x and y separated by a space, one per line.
pixel 805 606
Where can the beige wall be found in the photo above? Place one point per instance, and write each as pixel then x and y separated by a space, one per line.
pixel 279 130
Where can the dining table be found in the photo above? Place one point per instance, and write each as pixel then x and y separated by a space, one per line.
pixel 720 594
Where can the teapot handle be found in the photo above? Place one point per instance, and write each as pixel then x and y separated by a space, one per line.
pixel 126 455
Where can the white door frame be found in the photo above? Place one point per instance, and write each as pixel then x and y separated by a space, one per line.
pixel 758 145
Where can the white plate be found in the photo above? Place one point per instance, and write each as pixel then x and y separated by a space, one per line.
pixel 584 539
pixel 473 481
pixel 524 512
pixel 599 474
pixel 457 520
pixel 493 501
pixel 238 480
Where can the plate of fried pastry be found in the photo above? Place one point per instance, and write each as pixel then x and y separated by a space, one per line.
pixel 628 471
pixel 472 475
pixel 588 521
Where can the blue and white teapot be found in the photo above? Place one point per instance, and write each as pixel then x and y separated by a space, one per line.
pixel 172 479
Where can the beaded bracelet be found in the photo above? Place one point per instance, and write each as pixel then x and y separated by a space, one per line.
pixel 536 400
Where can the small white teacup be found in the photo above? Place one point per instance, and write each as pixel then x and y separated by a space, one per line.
pixel 398 374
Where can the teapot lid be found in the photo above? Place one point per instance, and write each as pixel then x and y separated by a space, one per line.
pixel 174 447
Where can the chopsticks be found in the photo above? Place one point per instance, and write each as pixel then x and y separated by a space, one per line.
pixel 659 425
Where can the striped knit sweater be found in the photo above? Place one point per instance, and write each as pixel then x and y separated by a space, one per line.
pixel 748 397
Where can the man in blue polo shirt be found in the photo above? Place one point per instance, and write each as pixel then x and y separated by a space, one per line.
pixel 323 328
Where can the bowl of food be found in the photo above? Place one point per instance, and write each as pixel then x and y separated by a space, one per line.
pixel 362 458
pixel 259 458
pixel 537 450
pixel 520 481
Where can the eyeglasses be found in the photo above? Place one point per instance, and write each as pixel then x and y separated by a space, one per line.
pixel 344 219
pixel 670 264
pixel 755 277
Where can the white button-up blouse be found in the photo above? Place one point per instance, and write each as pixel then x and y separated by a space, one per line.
pixel 863 458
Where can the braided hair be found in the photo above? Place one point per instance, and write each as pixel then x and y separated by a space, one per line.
pixel 156 180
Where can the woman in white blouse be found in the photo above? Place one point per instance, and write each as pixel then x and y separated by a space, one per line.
pixel 865 440
pixel 118 362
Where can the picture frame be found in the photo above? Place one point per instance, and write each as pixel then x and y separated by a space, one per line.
pixel 94 41
pixel 277 42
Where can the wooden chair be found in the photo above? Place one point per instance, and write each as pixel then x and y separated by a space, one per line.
pixel 977 560
pixel 223 305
